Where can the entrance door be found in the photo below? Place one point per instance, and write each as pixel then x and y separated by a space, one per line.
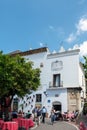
pixel 57 106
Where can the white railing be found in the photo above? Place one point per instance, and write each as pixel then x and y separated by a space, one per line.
pixel 52 86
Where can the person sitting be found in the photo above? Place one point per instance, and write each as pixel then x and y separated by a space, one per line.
pixel 14 114
pixel 20 113
pixel 28 114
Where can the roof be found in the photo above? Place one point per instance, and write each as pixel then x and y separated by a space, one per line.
pixel 29 52
pixel 15 52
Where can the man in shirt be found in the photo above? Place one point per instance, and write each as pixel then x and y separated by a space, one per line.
pixel 44 111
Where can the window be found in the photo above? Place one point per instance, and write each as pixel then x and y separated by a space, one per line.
pixel 41 64
pixel 38 97
pixel 56 80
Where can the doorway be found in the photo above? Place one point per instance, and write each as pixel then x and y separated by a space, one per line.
pixel 57 106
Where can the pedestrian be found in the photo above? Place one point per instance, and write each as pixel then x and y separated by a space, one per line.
pixel 38 116
pixel 44 111
pixel 52 116
pixel 35 112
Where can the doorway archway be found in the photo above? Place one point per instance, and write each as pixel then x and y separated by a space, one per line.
pixel 57 106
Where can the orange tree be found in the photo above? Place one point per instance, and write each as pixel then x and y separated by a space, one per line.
pixel 16 77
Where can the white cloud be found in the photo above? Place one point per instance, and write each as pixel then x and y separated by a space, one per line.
pixel 83 49
pixel 71 38
pixel 82 25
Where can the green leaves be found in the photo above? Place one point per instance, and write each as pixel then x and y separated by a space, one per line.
pixel 85 66
pixel 17 76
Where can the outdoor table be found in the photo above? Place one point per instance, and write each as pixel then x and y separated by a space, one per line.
pixel 27 123
pixel 30 123
pixel 1 124
pixel 10 125
pixel 24 123
pixel 18 120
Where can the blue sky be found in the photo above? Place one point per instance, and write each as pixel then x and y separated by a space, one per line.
pixel 26 24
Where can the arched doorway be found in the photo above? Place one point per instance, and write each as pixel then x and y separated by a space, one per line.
pixel 57 106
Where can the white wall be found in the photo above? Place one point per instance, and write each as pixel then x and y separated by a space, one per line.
pixel 69 72
pixel 62 98
pixel 69 75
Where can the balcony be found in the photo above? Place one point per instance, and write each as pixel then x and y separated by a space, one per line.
pixel 51 86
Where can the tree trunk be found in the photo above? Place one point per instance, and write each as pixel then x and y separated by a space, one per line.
pixel 5 106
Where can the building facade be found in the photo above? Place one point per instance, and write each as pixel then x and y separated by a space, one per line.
pixel 62 81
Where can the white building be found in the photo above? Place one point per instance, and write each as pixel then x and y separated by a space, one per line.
pixel 62 81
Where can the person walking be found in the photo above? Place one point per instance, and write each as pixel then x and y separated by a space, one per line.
pixel 44 111
pixel 38 116
pixel 52 116
pixel 34 111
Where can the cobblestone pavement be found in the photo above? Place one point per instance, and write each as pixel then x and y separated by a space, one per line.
pixel 58 125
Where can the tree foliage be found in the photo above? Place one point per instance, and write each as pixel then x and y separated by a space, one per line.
pixel 85 66
pixel 16 77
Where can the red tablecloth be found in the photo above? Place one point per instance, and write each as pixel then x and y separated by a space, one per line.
pixel 10 126
pixel 18 120
pixel 30 123
pixel 1 124
pixel 26 123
